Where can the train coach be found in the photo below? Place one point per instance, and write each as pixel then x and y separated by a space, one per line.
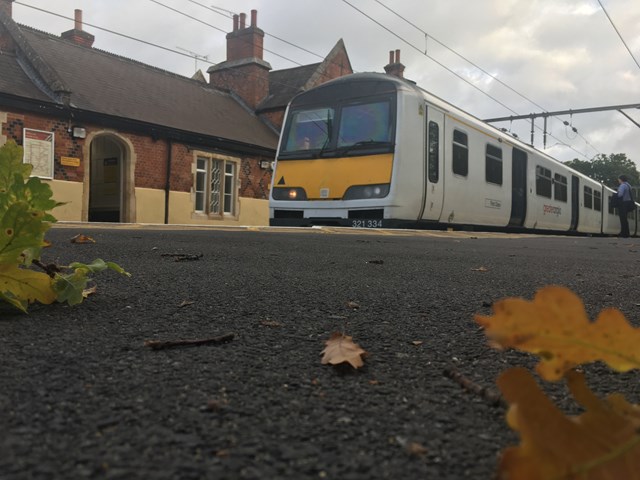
pixel 371 150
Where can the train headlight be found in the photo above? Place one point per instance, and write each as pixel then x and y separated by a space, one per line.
pixel 284 193
pixel 363 192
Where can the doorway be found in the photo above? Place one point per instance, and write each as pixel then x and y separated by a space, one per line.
pixel 105 185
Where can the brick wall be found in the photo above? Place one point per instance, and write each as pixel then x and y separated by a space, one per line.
pixel 64 144
pixel 151 157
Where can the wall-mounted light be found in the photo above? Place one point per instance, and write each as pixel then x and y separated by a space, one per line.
pixel 79 132
pixel 266 164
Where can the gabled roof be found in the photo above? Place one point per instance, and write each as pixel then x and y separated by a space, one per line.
pixel 286 84
pixel 106 84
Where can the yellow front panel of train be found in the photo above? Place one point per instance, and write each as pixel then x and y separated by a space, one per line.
pixel 329 178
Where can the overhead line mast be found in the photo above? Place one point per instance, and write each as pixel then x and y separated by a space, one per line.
pixel 545 115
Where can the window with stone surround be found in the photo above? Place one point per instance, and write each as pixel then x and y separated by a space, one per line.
pixel 216 182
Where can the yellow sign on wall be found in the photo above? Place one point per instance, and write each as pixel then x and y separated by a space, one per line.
pixel 70 161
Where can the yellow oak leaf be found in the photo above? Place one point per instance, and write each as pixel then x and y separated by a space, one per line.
pixel 555 326
pixel 25 286
pixel 341 349
pixel 602 443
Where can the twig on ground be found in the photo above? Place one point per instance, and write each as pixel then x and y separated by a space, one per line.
pixel 490 395
pixel 181 257
pixel 159 344
pixel 50 269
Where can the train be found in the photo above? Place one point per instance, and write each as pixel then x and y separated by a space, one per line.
pixel 372 150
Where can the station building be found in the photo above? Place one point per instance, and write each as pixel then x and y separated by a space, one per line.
pixel 122 141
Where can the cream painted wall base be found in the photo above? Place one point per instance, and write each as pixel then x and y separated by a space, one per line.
pixel 149 205
pixel 69 193
pixel 251 212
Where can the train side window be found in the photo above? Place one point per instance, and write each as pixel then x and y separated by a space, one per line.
pixel 543 181
pixel 432 152
pixel 588 197
pixel 597 200
pixel 560 187
pixel 460 161
pixel 493 165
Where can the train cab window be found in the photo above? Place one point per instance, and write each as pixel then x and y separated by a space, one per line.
pixel 560 187
pixel 493 165
pixel 460 162
pixel 597 200
pixel 588 197
pixel 309 129
pixel 365 123
pixel 543 181
pixel 433 147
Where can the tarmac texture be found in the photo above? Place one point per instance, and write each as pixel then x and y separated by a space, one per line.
pixel 81 396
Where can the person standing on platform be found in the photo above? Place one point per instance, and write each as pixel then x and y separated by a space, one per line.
pixel 625 201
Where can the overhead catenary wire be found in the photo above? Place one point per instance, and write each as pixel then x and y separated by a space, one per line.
pixel 619 34
pixel 459 55
pixel 292 44
pixel 449 70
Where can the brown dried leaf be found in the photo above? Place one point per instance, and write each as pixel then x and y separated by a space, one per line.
pixel 341 349
pixel 556 327
pixel 480 269
pixel 89 291
pixel 81 238
pixel 602 443
pixel 352 305
pixel 417 343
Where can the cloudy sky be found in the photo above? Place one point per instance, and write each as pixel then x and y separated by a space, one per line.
pixel 493 58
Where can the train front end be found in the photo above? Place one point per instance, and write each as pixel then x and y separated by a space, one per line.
pixel 336 155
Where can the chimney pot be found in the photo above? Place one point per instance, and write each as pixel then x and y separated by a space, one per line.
pixel 254 18
pixel 397 56
pixel 243 21
pixel 391 57
pixel 235 23
pixel 78 19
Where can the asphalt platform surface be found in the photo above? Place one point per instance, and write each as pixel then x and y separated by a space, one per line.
pixel 81 396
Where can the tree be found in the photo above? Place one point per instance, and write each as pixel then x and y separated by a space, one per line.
pixel 607 168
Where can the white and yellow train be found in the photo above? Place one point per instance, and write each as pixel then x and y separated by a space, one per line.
pixel 372 150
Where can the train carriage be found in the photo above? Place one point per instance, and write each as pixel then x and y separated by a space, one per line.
pixel 373 150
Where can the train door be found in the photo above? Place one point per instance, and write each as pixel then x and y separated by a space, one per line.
pixel 575 202
pixel 518 188
pixel 433 165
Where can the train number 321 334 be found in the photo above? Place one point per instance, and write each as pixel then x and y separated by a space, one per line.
pixel 366 223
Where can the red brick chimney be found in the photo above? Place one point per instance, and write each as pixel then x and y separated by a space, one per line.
pixel 395 67
pixel 244 72
pixel 5 8
pixel 77 35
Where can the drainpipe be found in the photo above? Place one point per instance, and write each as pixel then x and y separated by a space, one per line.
pixel 167 187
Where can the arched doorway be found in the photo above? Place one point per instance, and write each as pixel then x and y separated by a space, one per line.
pixel 110 180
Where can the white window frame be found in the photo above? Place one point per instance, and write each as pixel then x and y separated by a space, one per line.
pixel 216 185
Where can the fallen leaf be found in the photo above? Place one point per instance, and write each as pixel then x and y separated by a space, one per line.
pixel 186 303
pixel 353 305
pixel 416 449
pixel 555 326
pixel 81 238
pixel 480 269
pixel 89 291
pixel 341 349
pixel 602 443
pixel 417 343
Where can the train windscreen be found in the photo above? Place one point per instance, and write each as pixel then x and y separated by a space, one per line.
pixel 347 128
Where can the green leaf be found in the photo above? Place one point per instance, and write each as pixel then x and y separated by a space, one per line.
pixel 10 165
pixel 9 298
pixel 99 265
pixel 69 287
pixel 21 234
pixel 20 286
